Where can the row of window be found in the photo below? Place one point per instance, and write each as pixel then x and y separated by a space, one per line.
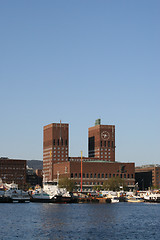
pixel 60 142
pixel 107 144
pixel 60 148
pixel 54 159
pixel 60 151
pixel 94 183
pixel 59 155
pixel 15 168
pixel 102 175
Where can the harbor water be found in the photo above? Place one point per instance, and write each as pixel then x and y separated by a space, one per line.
pixel 79 221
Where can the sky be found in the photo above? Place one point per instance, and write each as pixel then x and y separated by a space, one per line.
pixel 77 61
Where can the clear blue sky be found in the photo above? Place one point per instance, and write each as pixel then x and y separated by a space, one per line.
pixel 77 61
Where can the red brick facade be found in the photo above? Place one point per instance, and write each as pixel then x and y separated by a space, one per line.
pixel 55 147
pixel 101 142
pixel 13 170
pixel 155 173
pixel 95 172
pixel 98 167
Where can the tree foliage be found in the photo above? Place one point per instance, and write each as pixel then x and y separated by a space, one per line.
pixel 114 184
pixel 66 183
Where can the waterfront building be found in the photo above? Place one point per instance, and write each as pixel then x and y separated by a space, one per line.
pixel 100 164
pixel 148 176
pixel 13 170
pixel 101 141
pixel 94 172
pixel 34 177
pixel 55 147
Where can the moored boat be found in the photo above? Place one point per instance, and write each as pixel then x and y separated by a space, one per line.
pixel 152 197
pixel 134 199
pixel 51 193
pixel 15 194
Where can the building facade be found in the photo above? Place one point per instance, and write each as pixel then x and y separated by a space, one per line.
pixel 147 176
pixel 55 147
pixel 98 167
pixel 94 172
pixel 13 170
pixel 101 142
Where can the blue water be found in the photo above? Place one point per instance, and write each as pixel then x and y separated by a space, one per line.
pixel 79 221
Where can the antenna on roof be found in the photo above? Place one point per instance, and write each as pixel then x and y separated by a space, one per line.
pixel 60 131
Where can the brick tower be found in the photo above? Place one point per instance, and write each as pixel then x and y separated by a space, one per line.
pixel 55 147
pixel 101 141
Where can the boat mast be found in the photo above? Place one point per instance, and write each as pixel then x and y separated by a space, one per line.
pixel 81 171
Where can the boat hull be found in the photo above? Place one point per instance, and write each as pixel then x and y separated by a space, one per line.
pixel 58 199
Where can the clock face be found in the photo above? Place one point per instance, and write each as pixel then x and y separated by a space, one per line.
pixel 105 135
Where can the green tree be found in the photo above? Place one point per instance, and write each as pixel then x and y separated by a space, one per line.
pixel 66 183
pixel 114 184
pixel 97 188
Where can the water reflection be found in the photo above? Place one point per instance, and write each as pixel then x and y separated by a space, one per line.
pixel 79 221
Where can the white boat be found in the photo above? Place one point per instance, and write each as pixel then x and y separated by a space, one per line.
pixel 114 199
pixel 134 199
pixel 15 194
pixel 52 193
pixel 153 197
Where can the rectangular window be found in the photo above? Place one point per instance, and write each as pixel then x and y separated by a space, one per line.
pixel 95 175
pixel 91 175
pixel 83 175
pixel 58 142
pixel 62 141
pixel 108 143
pixel 106 175
pixel 71 175
pixel 105 143
pixel 110 175
pixel 54 141
pixel 66 142
pixel 75 175
pixel 128 175
pixel 112 144
pixel 98 175
pixel 101 143
pixel 87 175
pixel 102 175
pixel 79 175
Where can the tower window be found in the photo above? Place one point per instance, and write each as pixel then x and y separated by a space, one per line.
pixel 53 141
pixel 66 142
pixel 58 142
pixel 62 141
pixel 105 143
pixel 108 143
pixel 101 143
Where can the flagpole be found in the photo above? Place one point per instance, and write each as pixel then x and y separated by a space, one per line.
pixel 81 171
